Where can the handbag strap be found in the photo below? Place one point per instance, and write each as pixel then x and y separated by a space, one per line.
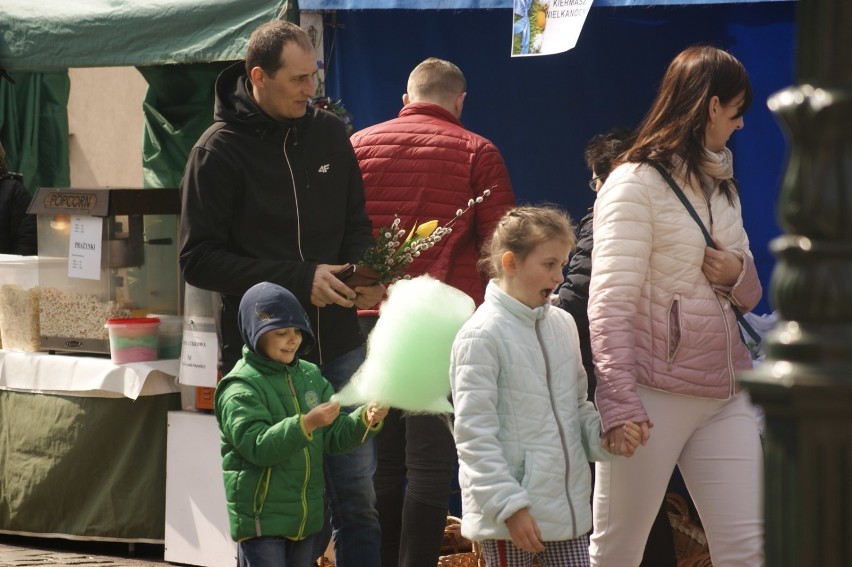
pixel 707 238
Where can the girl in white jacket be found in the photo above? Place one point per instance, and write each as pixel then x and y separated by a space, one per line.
pixel 524 428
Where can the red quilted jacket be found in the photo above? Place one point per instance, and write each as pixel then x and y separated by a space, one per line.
pixel 424 165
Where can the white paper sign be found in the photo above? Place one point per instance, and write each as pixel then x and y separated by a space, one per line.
pixel 199 358
pixel 84 248
pixel 544 27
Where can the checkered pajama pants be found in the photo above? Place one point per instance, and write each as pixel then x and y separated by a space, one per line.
pixel 567 553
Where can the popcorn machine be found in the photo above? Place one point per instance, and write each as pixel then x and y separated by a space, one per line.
pixel 103 254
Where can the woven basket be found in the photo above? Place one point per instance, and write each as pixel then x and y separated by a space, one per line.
pixel 468 559
pixel 453 542
pixel 457 550
pixel 690 543
pixel 327 558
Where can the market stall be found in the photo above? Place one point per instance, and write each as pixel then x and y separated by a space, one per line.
pixel 85 381
pixel 82 462
pixel 83 446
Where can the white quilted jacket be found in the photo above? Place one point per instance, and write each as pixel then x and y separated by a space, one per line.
pixel 524 428
pixel 655 320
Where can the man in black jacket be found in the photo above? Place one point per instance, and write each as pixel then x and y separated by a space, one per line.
pixel 272 192
pixel 17 228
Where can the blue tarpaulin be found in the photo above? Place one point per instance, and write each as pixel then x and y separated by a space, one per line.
pixel 472 4
pixel 98 33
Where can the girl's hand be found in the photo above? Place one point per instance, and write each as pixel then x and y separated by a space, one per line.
pixel 322 415
pixel 524 531
pixel 721 266
pixel 624 440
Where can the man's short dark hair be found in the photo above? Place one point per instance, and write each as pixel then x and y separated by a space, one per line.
pixel 267 42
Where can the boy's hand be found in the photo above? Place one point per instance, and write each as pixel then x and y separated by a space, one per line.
pixel 524 531
pixel 322 415
pixel 376 413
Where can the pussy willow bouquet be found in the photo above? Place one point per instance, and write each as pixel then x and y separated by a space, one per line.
pixel 394 247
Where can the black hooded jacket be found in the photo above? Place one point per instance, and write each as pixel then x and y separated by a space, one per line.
pixel 17 228
pixel 574 293
pixel 268 200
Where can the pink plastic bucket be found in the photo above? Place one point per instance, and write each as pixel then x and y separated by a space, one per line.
pixel 133 340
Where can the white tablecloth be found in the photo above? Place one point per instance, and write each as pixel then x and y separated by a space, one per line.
pixel 87 376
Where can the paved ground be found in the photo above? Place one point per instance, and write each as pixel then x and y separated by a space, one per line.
pixel 18 551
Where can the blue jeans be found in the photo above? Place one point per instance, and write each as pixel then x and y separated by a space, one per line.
pixel 349 484
pixel 275 552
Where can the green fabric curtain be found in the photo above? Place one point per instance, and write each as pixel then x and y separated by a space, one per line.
pixel 178 108
pixel 34 127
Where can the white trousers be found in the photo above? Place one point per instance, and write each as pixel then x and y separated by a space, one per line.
pixel 717 447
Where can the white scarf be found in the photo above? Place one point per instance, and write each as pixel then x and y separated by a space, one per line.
pixel 717 167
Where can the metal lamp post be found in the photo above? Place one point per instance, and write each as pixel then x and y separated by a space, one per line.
pixel 805 384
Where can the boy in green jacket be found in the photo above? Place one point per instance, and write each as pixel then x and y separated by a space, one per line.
pixel 276 421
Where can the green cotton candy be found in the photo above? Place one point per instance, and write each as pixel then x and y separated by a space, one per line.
pixel 408 351
pixel 148 341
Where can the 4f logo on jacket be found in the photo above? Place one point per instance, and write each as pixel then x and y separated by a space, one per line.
pixel 324 168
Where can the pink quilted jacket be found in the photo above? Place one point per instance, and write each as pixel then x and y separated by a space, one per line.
pixel 655 320
pixel 425 165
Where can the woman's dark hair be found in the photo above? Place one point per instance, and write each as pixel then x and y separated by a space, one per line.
pixel 676 123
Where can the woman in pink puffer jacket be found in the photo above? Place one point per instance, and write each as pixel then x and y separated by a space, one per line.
pixel 664 335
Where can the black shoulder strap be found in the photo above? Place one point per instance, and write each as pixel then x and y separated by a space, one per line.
pixel 707 238
pixel 689 208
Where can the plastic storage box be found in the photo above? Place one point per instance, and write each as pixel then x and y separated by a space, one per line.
pixel 133 340
pixel 19 303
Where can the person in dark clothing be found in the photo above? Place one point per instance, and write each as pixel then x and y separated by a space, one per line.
pixel 272 192
pixel 17 228
pixel 422 165
pixel 600 155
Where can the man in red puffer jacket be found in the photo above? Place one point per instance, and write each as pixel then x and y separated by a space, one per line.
pixel 421 166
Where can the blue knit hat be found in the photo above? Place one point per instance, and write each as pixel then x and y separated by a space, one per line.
pixel 268 306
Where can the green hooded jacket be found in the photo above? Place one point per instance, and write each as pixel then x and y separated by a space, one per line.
pixel 273 470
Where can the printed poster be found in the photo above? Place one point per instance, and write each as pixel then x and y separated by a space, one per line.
pixel 545 27
pixel 199 353
pixel 84 248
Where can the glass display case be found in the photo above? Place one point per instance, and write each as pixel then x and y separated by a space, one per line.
pixel 103 254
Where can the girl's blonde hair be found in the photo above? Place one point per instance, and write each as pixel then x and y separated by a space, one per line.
pixel 521 230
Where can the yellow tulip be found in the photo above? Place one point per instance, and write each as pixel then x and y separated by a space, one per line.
pixel 426 229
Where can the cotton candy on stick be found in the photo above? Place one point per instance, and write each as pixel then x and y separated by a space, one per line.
pixel 408 352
